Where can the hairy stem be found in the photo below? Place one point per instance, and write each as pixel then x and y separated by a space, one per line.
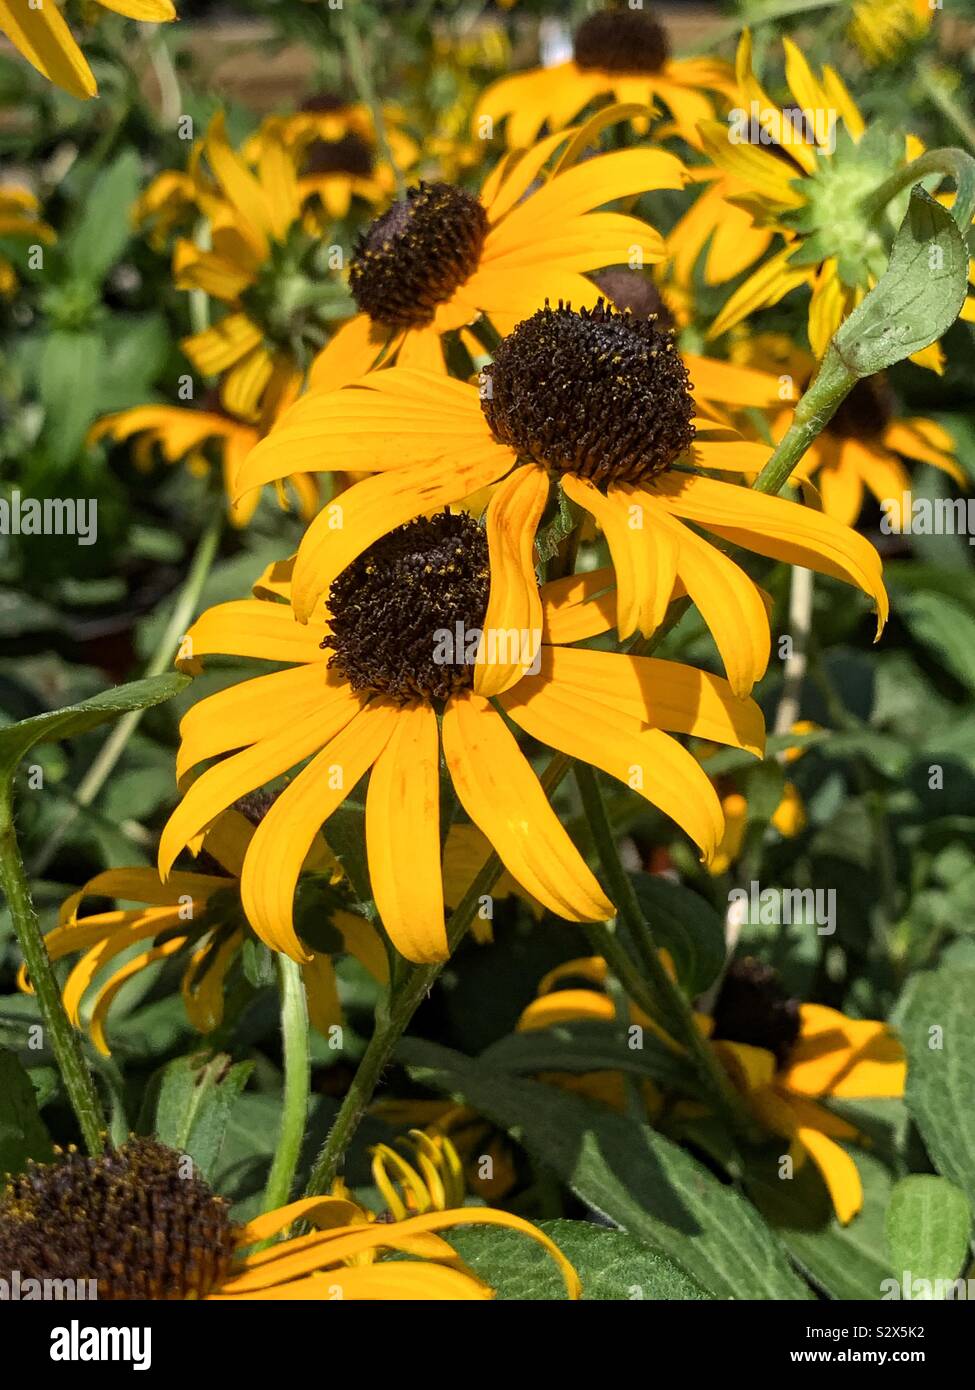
pixel 297 1082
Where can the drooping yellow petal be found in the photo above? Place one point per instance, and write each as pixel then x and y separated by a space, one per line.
pixel 499 791
pixel 778 528
pixel 512 629
pixel 647 760
pixel 282 840
pixel 840 1173
pixel 579 605
pixel 41 35
pixel 403 836
pixel 377 505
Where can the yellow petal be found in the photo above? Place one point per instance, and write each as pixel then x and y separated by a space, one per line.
pixel 512 630
pixel 499 791
pixel 44 39
pixel 403 836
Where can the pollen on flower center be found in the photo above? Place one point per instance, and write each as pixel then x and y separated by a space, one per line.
pixel 866 412
pixel 596 393
pixel 136 1220
pixel 624 41
pixel 417 254
pixel 391 608
pixel 754 1008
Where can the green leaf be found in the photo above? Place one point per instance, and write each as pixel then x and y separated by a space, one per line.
pixel 68 385
pixel 916 300
pixel 588 1046
pixel 196 1097
pixel 947 627
pixel 628 1172
pixel 100 235
pixel 16 740
pixel 610 1264
pixel 928 1225
pixel 688 926
pixel 937 1027
pixel 22 1131
pixel 846 1262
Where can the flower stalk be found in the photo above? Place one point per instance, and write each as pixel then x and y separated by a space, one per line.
pixel 297 1082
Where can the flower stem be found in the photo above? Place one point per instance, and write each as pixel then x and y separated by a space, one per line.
pixel 949 161
pixel 113 747
pixel 74 1073
pixel 403 1004
pixel 297 1082
pixel 935 82
pixel 355 52
pixel 813 413
pixel 679 1014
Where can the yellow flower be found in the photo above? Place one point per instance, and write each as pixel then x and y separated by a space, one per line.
pixel 386 680
pixel 41 35
pixel 182 433
pixel 274 277
pixel 883 29
pixel 468 1133
pixel 625 445
pixel 194 914
pixel 787 1057
pixel 623 55
pixel 333 144
pixel 17 219
pixel 442 257
pixel 135 1222
pixel 788 818
pixel 862 447
pixel 808 190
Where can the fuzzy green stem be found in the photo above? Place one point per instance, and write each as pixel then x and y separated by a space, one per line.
pixel 950 162
pixel 679 1014
pixel 64 1041
pixel 297 1082
pixel 113 747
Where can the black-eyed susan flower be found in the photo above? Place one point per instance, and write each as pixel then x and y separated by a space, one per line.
pixel 804 174
pixel 469 1135
pixel 863 447
pixel 18 218
pixel 335 151
pixel 283 296
pixel 40 33
pixel 197 917
pixel 620 54
pixel 601 402
pixel 142 1224
pixel 181 433
pixel 442 256
pixel 386 680
pixel 788 1058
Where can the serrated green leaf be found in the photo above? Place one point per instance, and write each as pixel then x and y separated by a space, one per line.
pixel 629 1173
pixel 937 1027
pixel 610 1264
pixel 16 740
pixel 928 1225
pixel 196 1097
pixel 22 1131
pixel 916 300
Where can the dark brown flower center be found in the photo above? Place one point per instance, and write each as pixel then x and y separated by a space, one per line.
pixel 407 613
pixel 866 412
pixel 417 254
pixel 597 393
pixel 349 155
pixel 137 1220
pixel 623 41
pixel 754 1008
